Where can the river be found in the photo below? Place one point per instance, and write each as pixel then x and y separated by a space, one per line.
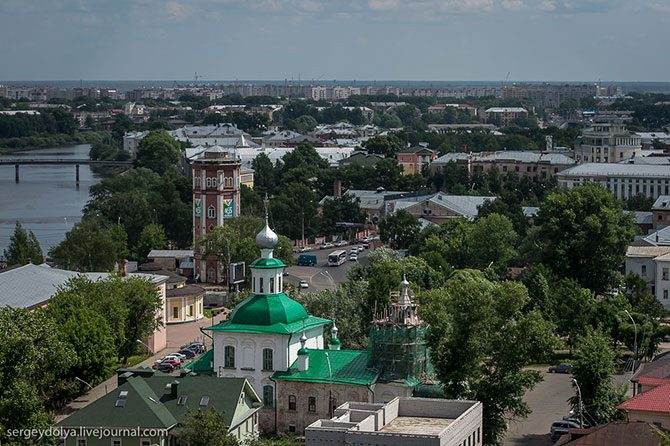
pixel 47 200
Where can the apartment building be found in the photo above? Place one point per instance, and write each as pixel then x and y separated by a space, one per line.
pixel 607 142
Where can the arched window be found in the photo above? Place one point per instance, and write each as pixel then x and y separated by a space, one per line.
pixel 272 284
pixel 268 363
pixel 214 181
pixel 292 402
pixel 229 356
pixel 260 285
pixel 208 182
pixel 211 212
pixel 268 396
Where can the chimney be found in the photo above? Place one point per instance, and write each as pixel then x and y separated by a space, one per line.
pixel 174 387
pixel 337 188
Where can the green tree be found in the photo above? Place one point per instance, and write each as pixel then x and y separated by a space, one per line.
pixel 593 368
pixel 638 202
pixel 480 342
pixel 29 340
pixel 345 305
pixel 491 243
pixel 345 208
pixel 584 235
pixel 640 298
pixel 23 248
pixel 383 145
pixel 264 174
pixel 89 247
pixel 158 151
pixel 88 335
pixel 152 237
pixel 400 230
pixel 205 428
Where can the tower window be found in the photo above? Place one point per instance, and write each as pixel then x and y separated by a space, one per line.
pixel 260 285
pixel 229 356
pixel 211 212
pixel 272 284
pixel 268 363
pixel 311 404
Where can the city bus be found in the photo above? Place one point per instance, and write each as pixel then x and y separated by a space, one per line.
pixel 337 258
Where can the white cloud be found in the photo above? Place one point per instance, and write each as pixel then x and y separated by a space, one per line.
pixel 512 5
pixel 176 10
pixel 548 6
pixel 384 5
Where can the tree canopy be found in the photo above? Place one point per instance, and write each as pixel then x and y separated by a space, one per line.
pixel 23 248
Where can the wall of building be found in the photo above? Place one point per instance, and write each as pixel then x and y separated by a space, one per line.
pixel 663 282
pixel 158 339
pixel 183 305
pixel 125 441
pixel 650 417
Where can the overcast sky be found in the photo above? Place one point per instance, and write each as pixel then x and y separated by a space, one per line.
pixel 620 40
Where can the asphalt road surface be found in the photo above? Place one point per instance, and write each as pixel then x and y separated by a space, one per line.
pixel 322 276
pixel 548 401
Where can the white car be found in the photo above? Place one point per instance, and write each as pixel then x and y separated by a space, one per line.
pixel 170 358
pixel 341 243
pixel 353 257
pixel 180 356
pixel 304 284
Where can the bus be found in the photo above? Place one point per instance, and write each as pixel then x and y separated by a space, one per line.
pixel 337 258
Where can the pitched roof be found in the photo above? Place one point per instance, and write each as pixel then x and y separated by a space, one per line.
pixel 654 400
pixel 417 149
pixel 662 203
pixel 170 253
pixel 31 285
pixel 616 170
pixel 149 401
pixel 348 367
pixel 203 364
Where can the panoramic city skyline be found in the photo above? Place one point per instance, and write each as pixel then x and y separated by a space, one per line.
pixel 478 40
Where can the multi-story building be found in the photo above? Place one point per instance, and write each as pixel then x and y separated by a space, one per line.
pixel 623 180
pixel 660 212
pixel 607 142
pixel 401 421
pixel 414 159
pixel 216 198
pixel 503 115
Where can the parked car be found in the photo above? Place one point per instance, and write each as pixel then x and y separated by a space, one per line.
pixel 559 428
pixel 190 354
pixel 572 419
pixel 353 257
pixel 304 284
pixel 174 363
pixel 196 346
pixel 165 368
pixel 305 248
pixel 173 358
pixel 342 243
pixel 366 244
pixel 560 368
pixel 182 357
pixel 326 246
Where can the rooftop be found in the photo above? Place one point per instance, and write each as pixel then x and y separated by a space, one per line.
pixel 417 425
pixel 348 367
pixel 618 433
pixel 170 253
pixel 616 170
pixel 662 203
pixel 654 400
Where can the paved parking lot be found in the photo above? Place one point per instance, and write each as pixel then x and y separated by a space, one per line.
pixel 548 401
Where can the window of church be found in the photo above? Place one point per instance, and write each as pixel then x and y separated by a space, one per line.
pixel 268 396
pixel 211 212
pixel 272 284
pixel 311 404
pixel 260 285
pixel 292 402
pixel 229 356
pixel 268 363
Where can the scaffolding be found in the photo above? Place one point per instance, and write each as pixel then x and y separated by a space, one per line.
pixel 397 347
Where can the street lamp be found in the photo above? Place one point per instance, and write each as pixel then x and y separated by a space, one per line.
pixel 330 397
pixel 579 393
pixel 635 340
pixel 82 381
pixel 148 348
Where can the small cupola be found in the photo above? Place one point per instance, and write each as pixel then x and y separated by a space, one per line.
pixel 303 353
pixel 334 340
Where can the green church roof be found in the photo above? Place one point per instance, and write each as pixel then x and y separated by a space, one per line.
pixel 271 313
pixel 267 263
pixel 348 367
pixel 202 365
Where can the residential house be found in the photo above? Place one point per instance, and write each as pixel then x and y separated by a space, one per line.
pixel 650 406
pixel 414 159
pixel 361 158
pixel 184 303
pixel 660 211
pixel 146 410
pixel 651 263
pixel 401 421
pixel 440 207
pixel 503 115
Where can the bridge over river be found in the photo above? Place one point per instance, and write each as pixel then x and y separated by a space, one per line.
pixel 17 162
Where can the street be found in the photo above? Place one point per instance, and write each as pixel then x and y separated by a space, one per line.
pixel 548 401
pixel 322 276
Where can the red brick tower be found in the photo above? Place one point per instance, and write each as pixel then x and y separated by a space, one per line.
pixel 216 197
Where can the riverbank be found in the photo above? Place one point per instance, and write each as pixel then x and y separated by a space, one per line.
pixel 13 145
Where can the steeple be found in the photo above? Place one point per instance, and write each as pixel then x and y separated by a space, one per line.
pixel 266 240
pixel 334 340
pixel 404 299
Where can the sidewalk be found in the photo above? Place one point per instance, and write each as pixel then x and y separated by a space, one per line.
pixel 177 335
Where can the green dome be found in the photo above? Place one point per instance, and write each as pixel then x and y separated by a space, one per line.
pixel 268 310
pixel 303 351
pixel 267 263
pixel 334 341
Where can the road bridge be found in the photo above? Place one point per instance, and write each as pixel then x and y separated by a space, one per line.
pixel 17 162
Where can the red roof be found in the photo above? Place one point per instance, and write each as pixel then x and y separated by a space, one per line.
pixel 654 400
pixel 614 434
pixel 653 382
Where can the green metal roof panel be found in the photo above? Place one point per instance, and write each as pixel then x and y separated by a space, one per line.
pixel 267 310
pixel 279 328
pixel 202 365
pixel 348 367
pixel 264 263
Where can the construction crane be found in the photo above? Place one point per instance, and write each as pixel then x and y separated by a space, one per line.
pixel 197 76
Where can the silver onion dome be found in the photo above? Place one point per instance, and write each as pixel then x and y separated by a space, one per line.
pixel 266 239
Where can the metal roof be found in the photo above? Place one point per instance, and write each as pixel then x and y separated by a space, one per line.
pixel 616 170
pixel 31 285
pixel 347 367
pixel 170 253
